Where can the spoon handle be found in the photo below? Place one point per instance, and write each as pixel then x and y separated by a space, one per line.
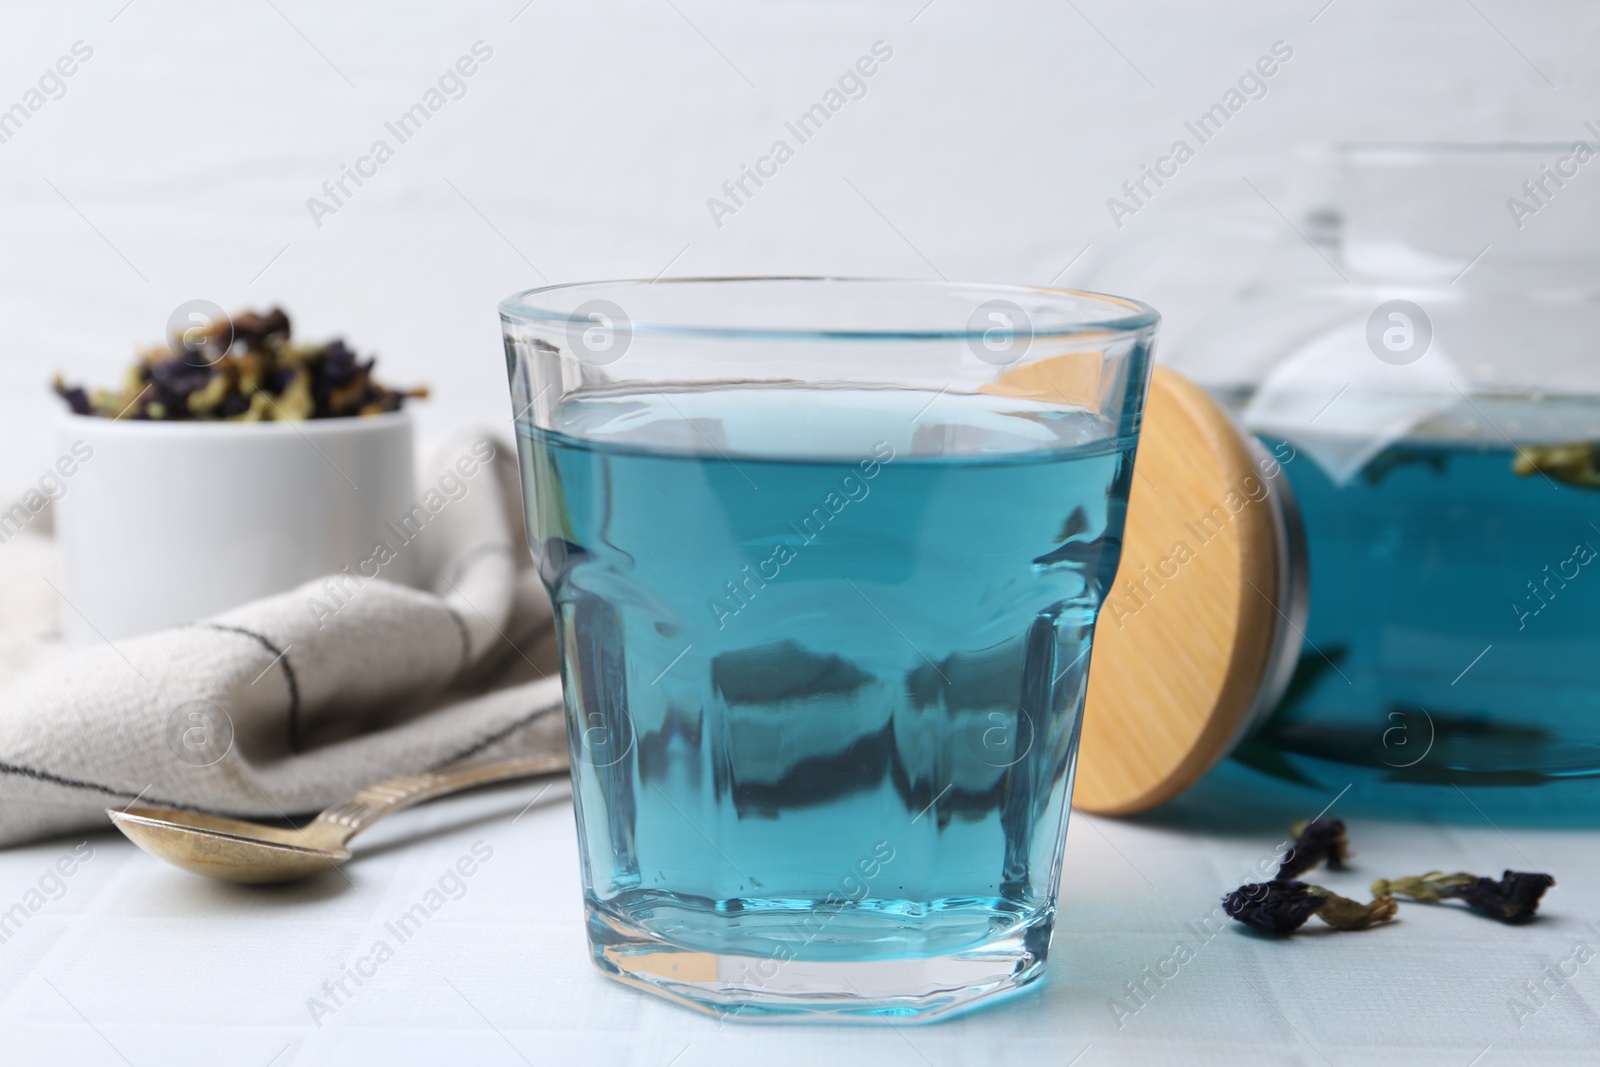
pixel 349 817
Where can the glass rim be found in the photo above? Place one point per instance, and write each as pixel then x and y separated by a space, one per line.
pixel 1137 315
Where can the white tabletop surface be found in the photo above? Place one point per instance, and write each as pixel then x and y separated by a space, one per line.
pixel 137 963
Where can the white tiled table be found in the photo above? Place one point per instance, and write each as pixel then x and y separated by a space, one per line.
pixel 140 964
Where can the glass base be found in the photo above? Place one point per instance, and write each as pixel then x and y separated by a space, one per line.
pixel 777 988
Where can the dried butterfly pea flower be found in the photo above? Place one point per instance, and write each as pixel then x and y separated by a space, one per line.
pixel 1576 464
pixel 76 398
pixel 1514 898
pixel 1342 913
pixel 1428 888
pixel 1277 907
pixel 1320 841
pixel 246 370
pixel 254 330
pixel 209 397
pixel 233 405
pixel 174 381
pixel 1283 905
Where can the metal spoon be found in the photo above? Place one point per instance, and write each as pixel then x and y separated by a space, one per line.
pixel 235 850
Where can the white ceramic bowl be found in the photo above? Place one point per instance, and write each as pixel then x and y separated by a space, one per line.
pixel 162 523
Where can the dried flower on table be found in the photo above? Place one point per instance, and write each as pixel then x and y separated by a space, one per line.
pixel 1282 906
pixel 1321 841
pixel 1514 898
pixel 1342 913
pixel 1276 907
pixel 244 369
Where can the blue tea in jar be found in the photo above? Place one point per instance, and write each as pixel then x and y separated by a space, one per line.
pixel 1454 619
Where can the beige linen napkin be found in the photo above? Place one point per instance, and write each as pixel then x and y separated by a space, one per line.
pixel 286 705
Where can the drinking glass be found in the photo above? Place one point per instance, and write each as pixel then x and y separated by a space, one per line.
pixel 826 557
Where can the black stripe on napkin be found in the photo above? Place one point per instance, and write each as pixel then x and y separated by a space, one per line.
pixel 499 735
pixel 288 676
pixel 79 783
pixel 466 639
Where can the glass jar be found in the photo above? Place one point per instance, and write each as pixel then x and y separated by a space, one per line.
pixel 1418 346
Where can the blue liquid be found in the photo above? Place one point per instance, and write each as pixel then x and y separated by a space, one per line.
pixel 824 708
pixel 1454 624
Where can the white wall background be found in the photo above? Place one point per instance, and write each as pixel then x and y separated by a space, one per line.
pixel 178 163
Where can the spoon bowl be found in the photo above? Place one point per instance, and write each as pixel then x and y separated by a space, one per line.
pixel 237 850
pixel 231 850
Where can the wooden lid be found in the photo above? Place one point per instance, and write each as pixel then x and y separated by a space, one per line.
pixel 1199 632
